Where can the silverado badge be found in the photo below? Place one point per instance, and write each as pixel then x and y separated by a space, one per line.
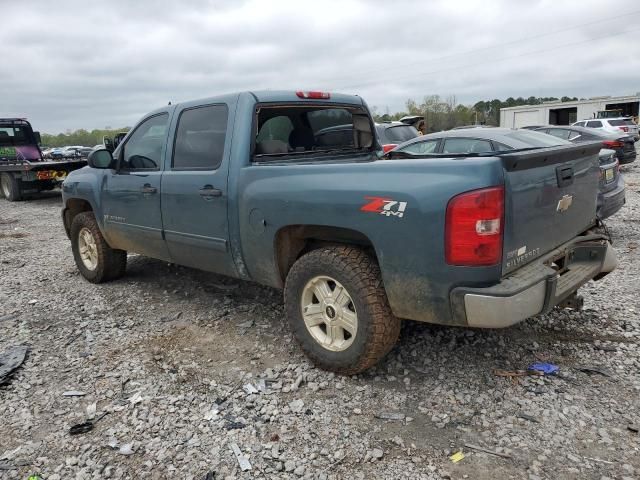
pixel 564 203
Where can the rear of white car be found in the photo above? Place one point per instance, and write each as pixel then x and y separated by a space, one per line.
pixel 624 125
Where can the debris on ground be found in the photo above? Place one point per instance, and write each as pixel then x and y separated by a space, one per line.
pixel 249 389
pixel 456 457
pixel 544 368
pixel 10 360
pixel 242 460
pixel 486 450
pixel 395 416
pixel 73 393
pixel 126 449
pixel 595 369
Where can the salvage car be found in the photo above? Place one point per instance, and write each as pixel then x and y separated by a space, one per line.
pixel 390 134
pixel 611 194
pixel 624 145
pixel 621 125
pixel 356 242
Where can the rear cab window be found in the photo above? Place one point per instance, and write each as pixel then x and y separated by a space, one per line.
pixel 288 132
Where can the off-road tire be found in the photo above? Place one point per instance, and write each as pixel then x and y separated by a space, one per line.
pixel 111 264
pixel 359 273
pixel 13 186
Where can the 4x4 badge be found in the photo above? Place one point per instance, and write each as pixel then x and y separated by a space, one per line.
pixel 384 206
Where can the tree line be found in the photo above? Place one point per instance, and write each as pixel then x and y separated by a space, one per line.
pixel 445 113
pixel 79 137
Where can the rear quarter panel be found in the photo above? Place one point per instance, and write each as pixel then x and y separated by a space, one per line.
pixel 410 249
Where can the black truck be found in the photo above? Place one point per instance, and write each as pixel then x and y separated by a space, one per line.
pixel 22 167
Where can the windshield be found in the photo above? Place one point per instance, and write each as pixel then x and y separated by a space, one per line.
pixel 536 139
pixel 15 136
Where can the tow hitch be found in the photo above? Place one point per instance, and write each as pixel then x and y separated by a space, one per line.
pixel 573 301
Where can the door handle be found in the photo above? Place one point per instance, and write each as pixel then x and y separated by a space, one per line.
pixel 146 188
pixel 208 191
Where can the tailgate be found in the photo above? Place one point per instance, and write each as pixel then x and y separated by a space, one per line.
pixel 550 197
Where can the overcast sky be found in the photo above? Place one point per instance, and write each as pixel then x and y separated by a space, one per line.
pixel 88 64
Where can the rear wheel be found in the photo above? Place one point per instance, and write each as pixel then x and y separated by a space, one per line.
pixel 338 309
pixel 96 260
pixel 10 187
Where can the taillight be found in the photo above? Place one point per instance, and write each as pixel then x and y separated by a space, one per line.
pixel 474 227
pixel 388 147
pixel 313 95
pixel 612 143
pixel 624 129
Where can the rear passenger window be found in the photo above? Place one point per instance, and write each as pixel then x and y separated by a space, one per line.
pixel 594 124
pixel 466 145
pixel 426 147
pixel 200 137
pixel 559 132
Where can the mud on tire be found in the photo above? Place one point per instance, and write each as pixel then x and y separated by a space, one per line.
pixel 110 263
pixel 377 328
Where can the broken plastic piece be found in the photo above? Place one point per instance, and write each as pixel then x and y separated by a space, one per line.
pixel 456 457
pixel 544 367
pixel 249 389
pixel 242 460
pixel 10 360
pixel 390 416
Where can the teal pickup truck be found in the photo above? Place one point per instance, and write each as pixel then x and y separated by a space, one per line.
pixel 259 186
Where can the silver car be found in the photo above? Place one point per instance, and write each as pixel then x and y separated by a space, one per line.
pixel 612 125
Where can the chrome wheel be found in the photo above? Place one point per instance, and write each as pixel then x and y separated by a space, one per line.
pixel 329 313
pixel 88 249
pixel 6 188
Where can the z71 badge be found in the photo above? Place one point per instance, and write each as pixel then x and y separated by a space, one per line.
pixel 384 206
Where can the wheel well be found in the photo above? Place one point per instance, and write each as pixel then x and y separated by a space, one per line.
pixel 295 240
pixel 74 207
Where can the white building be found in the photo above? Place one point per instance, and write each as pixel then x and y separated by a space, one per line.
pixel 565 113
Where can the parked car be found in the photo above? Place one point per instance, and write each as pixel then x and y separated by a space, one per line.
pixel 624 145
pixel 611 193
pixel 624 125
pixel 391 134
pixel 356 242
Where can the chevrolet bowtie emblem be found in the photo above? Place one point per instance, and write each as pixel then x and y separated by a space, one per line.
pixel 564 203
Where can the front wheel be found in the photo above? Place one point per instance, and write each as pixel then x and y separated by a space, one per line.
pixel 96 260
pixel 338 310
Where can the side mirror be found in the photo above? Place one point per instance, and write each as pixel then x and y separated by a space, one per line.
pixel 108 143
pixel 37 136
pixel 101 158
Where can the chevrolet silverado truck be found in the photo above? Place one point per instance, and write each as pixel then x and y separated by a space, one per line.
pixel 22 167
pixel 242 185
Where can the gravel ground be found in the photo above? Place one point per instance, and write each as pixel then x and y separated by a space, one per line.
pixel 166 351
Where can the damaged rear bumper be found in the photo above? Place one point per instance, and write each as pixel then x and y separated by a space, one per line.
pixel 537 287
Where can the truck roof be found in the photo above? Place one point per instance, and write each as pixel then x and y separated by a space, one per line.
pixel 266 96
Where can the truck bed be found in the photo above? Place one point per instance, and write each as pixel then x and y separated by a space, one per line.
pixel 26 165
